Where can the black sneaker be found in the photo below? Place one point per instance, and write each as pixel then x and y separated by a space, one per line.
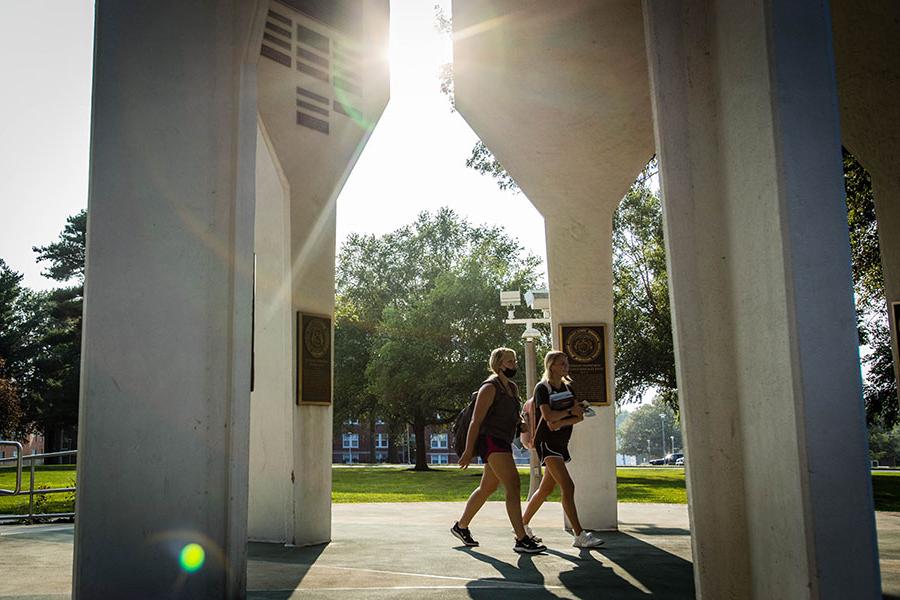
pixel 528 546
pixel 464 535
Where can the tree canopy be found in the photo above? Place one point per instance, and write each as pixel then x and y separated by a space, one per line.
pixel 880 388
pixel 644 427
pixel 40 338
pixel 417 315
pixel 645 356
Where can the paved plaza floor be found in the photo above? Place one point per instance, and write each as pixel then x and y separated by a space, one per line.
pixel 405 551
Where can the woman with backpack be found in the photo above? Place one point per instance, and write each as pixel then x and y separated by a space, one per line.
pixel 557 412
pixel 494 424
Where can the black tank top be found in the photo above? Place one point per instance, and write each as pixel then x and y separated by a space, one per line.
pixel 502 419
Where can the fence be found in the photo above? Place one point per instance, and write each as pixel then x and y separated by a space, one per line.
pixel 32 459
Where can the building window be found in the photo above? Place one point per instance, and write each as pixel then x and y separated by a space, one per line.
pixel 381 440
pixel 439 459
pixel 379 421
pixel 351 440
pixel 438 440
pixel 348 458
pixel 380 457
pixel 351 422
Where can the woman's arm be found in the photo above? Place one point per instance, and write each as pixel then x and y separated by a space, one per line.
pixel 557 419
pixel 483 403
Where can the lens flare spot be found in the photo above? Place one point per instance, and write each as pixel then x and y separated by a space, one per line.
pixel 192 557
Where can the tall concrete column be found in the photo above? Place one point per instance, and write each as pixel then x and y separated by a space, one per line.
pixel 867 42
pixel 579 265
pixel 747 134
pixel 886 189
pixel 558 91
pixel 271 437
pixel 164 415
pixel 323 85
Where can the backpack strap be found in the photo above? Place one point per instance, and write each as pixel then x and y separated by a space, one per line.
pixel 540 414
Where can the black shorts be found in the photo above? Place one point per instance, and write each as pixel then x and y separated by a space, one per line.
pixel 550 449
pixel 488 444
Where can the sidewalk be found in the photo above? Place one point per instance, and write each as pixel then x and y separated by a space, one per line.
pixel 406 551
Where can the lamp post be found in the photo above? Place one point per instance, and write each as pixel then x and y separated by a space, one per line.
pixel 537 300
pixel 662 420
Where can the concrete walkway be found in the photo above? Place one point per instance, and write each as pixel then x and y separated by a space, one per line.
pixel 406 551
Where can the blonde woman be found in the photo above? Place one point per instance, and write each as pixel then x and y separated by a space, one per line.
pixel 494 424
pixel 557 412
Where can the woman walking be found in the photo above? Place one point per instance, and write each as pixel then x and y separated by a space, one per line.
pixel 551 440
pixel 495 422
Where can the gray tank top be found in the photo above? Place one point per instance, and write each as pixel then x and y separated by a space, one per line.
pixel 502 420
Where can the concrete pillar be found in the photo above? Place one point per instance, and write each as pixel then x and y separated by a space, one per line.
pixel 579 264
pixel 747 134
pixel 886 189
pixel 271 437
pixel 866 45
pixel 559 93
pixel 323 85
pixel 164 416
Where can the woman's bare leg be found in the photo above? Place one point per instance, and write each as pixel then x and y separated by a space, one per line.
pixel 557 468
pixel 539 496
pixel 505 470
pixel 479 496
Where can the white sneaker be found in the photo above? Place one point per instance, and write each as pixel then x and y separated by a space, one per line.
pixel 530 534
pixel 586 539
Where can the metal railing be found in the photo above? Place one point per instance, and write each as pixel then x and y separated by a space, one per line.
pixel 31 492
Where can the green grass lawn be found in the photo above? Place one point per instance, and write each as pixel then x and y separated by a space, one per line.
pixel 886 489
pixel 54 476
pixel 451 484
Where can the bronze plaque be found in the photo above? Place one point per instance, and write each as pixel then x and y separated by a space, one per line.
pixel 313 359
pixel 585 345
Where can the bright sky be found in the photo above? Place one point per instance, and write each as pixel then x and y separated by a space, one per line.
pixel 415 159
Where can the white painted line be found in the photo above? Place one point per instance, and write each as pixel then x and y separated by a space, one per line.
pixel 480 586
pixel 43 529
pixel 450 577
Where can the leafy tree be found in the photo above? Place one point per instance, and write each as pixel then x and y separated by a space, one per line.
pixel 644 424
pixel 484 161
pixel 10 321
pixel 54 386
pixel 419 305
pixel 645 355
pixel 10 408
pixel 884 445
pixel 21 324
pixel 880 390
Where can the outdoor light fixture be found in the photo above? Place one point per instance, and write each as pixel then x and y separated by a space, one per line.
pixel 539 300
pixel 531 334
pixel 510 300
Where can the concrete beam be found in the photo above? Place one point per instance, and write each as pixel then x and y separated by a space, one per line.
pixel 559 93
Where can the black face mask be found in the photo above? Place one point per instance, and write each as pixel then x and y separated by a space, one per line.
pixel 510 372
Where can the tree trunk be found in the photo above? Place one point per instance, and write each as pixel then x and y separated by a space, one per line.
pixel 419 429
pixel 372 450
pixel 394 446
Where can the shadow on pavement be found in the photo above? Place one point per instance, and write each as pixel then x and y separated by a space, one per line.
pixel 300 559
pixel 626 567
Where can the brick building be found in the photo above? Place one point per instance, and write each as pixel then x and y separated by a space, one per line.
pixel 358 442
